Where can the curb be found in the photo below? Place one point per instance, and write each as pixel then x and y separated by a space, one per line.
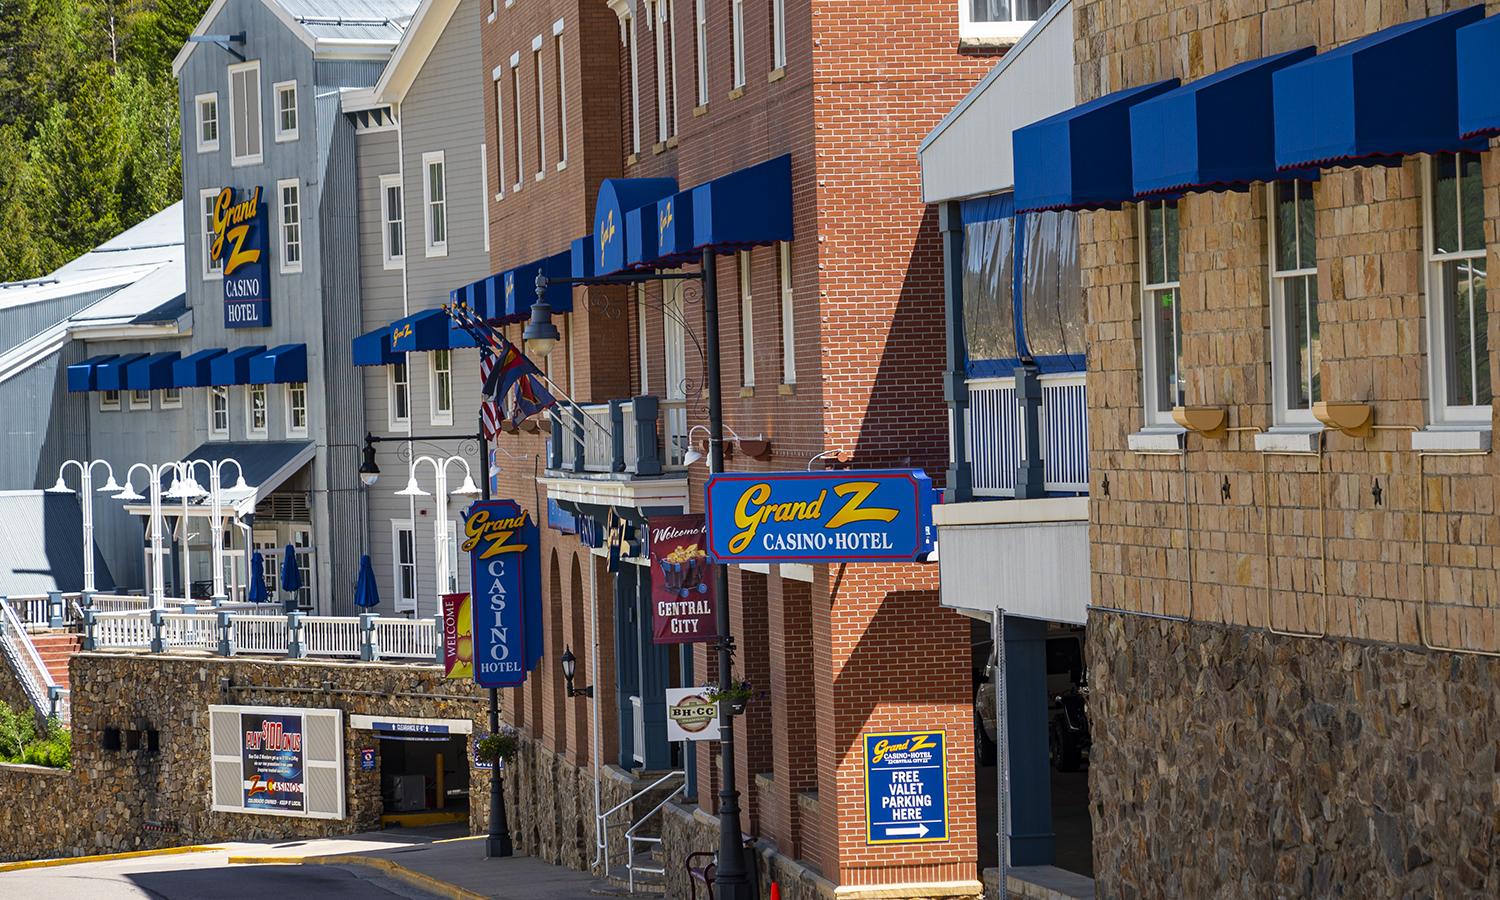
pixel 101 857
pixel 399 872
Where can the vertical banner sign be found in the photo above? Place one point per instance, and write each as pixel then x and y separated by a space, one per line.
pixel 682 594
pixel 906 787
pixel 272 762
pixel 239 250
pixel 458 636
pixel 495 537
pixel 691 716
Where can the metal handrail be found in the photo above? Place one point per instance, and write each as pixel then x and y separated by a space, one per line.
pixel 631 838
pixel 36 681
pixel 601 831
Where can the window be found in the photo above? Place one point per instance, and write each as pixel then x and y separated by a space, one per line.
pixel 484 195
pixel 140 399
pixel 434 201
pixel 392 213
pixel 218 412
pixel 257 418
pixel 171 398
pixel 515 105
pixel 302 551
pixel 541 109
pixel 778 34
pixel 1161 309
pixel 635 88
pixel 286 110
pixel 208 122
pixel 700 40
pixel 270 560
pixel 296 409
pixel 289 216
pixel 788 331
pixel 109 401
pixel 1294 302
pixel 499 134
pixel 404 563
pixel 666 59
pixel 737 25
pixel 441 362
pixel 560 115
pixel 400 406
pixel 1457 294
pixel 998 18
pixel 244 114
pixel 212 268
pixel 747 324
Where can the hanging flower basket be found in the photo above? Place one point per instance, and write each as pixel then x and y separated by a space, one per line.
pixel 496 747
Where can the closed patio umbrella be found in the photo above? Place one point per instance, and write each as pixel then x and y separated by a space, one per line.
pixel 257 593
pixel 291 577
pixel 366 593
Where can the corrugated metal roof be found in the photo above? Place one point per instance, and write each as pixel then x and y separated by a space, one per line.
pixel 41 545
pixel 360 20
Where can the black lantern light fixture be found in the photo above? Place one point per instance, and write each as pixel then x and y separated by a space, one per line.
pixel 570 668
pixel 369 471
pixel 540 334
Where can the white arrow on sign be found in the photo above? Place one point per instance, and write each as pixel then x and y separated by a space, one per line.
pixel 918 830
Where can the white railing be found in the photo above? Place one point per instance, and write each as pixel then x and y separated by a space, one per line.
pixel 31 609
pixel 26 662
pixel 197 631
pixel 330 636
pixel 598 443
pixel 407 638
pixel 123 629
pixel 259 634
pixel 1065 432
pixel 993 428
pixel 628 428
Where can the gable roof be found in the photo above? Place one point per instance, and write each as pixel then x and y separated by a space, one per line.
pixel 427 26
pixel 351 29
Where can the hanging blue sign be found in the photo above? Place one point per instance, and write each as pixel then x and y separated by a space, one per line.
pixel 804 517
pixel 239 251
pixel 906 787
pixel 505 573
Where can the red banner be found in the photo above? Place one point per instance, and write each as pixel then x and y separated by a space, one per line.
pixel 682 589
pixel 458 636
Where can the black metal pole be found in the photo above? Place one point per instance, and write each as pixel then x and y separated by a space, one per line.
pixel 731 881
pixel 497 843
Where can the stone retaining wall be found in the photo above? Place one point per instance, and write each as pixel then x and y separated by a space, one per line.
pixel 1230 762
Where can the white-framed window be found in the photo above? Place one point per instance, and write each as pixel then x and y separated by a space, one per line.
pixel 296 409
pixel 1295 336
pixel 494 10
pixel 635 86
pixel 1457 290
pixel 501 139
pixel 541 108
pixel 998 19
pixel 666 64
pixel 140 399
pixel 171 398
pixel 747 323
pixel 285 93
pixel 270 560
pixel 643 345
pixel 393 215
pixel 435 202
pixel 109 401
pixel 244 114
pixel 302 552
pixel 440 363
pixel 1161 311
pixel 778 34
pixel 484 194
pixel 404 563
pixel 515 106
pixel 737 27
pixel 218 412
pixel 560 115
pixel 289 222
pixel 400 394
pixel 788 331
pixel 212 268
pixel 207 106
pixel 700 42
pixel 257 414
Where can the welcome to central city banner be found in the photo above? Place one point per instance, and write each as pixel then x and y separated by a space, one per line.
pixel 682 583
pixel 505 572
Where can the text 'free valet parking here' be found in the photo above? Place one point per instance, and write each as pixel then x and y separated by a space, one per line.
pixel 906 787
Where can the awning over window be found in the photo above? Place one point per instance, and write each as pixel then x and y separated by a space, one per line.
pixel 110 375
pixel 1387 95
pixel 234 366
pixel 84 376
pixel 286 364
pixel 428 330
pixel 1479 78
pixel 1081 158
pixel 617 197
pixel 195 369
pixel 746 208
pixel 373 348
pixel 583 254
pixel 520 286
pixel 674 229
pixel 153 373
pixel 1214 133
pixel 483 297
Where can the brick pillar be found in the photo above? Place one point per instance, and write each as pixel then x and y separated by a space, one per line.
pixel 753 736
pixel 793 711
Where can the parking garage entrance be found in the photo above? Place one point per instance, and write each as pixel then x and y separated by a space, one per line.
pixel 424 767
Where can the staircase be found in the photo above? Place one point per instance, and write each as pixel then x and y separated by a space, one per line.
pixel 55 649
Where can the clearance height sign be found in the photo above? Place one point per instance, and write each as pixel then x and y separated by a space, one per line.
pixel 505 572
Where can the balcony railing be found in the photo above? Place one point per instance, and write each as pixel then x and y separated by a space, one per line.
pixel 620 438
pixel 993 427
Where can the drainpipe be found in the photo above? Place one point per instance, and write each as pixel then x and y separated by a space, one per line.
pixel 955 386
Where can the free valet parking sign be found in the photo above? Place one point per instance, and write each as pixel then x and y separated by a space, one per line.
pixel 879 515
pixel 906 787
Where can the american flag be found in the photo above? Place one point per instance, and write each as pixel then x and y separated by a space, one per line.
pixel 489 411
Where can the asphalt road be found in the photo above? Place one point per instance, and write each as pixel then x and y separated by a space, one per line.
pixel 201 876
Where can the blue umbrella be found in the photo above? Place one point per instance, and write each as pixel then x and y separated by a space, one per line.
pixel 291 576
pixel 366 593
pixel 257 579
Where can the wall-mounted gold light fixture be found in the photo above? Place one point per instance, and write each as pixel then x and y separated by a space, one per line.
pixel 1353 419
pixel 1210 422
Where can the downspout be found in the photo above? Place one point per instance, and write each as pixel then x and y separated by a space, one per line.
pixel 955 386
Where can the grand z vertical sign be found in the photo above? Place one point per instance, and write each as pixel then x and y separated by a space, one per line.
pixel 239 249
pixel 505 573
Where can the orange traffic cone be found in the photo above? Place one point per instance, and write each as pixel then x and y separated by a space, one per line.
pixel 775 891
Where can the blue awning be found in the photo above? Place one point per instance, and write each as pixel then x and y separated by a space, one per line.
pixel 374 349
pixel 583 257
pixel 110 376
pixel 195 369
pixel 674 229
pixel 1479 78
pixel 618 196
pixel 153 373
pixel 1387 95
pixel 234 366
pixel 428 330
pixel 1081 157
pixel 84 376
pixel 1214 133
pixel 746 208
pixel 520 286
pixel 286 364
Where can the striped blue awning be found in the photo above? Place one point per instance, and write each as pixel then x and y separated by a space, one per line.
pixel 374 349
pixel 111 374
pixel 286 364
pixel 234 366
pixel 84 376
pixel 1479 78
pixel 195 370
pixel 154 373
